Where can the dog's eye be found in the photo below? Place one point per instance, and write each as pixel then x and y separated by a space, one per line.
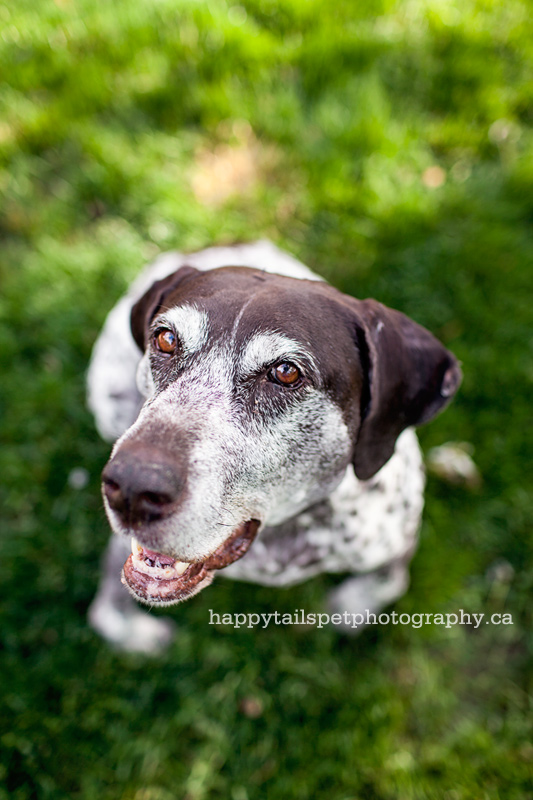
pixel 286 374
pixel 166 341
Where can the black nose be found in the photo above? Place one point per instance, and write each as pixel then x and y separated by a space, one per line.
pixel 142 485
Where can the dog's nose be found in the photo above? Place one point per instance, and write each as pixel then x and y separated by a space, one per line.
pixel 142 486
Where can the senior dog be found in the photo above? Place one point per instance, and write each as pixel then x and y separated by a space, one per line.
pixel 264 425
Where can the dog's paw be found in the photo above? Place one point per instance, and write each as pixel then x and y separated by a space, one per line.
pixel 358 597
pixel 132 630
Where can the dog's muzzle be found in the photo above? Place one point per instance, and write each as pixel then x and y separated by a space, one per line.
pixel 143 486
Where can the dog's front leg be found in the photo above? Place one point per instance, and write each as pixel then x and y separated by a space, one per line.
pixel 117 617
pixel 359 596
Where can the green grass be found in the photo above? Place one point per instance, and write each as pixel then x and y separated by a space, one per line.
pixel 109 111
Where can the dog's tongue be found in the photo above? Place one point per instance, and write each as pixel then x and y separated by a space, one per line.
pixel 158 579
pixel 153 559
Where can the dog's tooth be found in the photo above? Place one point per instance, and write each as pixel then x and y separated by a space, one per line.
pixel 136 548
pixel 181 566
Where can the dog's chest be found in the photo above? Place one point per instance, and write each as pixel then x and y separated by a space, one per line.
pixel 361 526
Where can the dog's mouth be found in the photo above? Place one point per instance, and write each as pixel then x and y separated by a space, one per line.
pixel 158 579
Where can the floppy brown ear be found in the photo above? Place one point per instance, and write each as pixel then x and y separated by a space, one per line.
pixel 410 376
pixel 152 300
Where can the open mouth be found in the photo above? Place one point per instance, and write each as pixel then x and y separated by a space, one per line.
pixel 157 579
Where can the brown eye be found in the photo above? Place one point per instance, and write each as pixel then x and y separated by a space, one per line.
pixel 166 341
pixel 285 374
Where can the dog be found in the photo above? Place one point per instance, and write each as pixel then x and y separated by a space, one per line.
pixel 264 426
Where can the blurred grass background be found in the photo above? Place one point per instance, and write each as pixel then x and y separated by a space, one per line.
pixel 388 145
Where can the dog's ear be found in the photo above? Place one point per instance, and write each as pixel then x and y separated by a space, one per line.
pixel 152 300
pixel 410 377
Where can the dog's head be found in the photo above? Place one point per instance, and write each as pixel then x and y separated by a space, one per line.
pixel 260 390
